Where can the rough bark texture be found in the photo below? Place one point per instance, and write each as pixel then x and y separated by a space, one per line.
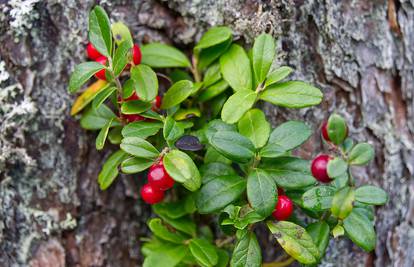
pixel 359 52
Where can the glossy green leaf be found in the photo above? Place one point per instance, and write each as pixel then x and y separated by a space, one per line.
pixel 214 36
pixel 141 129
pixel 212 170
pixel 342 202
pixel 263 52
pixel 289 172
pixel 235 68
pixel 139 148
pixel 237 105
pixel 103 133
pixel 166 255
pixel 292 94
pixel 295 241
pixel 121 33
pixel 319 231
pixel 185 114
pixel 172 129
pixel 102 96
pixel 121 57
pixel 337 129
pixel 114 135
pixel 209 55
pixel 277 75
pixel 212 155
pixel 213 91
pixel 212 75
pixel 232 145
pixel 254 126
pixel 157 55
pixel 182 169
pixel 177 93
pixel 318 198
pixel 223 258
pixel 110 169
pixel 338 231
pixel 135 165
pixel 135 107
pixel 261 192
pixel 360 230
pixel 361 154
pixel 336 167
pixel 94 119
pixel 100 34
pixel 220 192
pixel 146 82
pixel 82 73
pixel 372 195
pixel 247 251
pixel 163 232
pixel 184 224
pixel 204 252
pixel 285 137
pixel 177 209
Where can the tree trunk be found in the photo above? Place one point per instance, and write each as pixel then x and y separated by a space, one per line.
pixel 359 52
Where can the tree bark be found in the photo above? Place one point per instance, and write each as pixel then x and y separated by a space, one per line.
pixel 52 212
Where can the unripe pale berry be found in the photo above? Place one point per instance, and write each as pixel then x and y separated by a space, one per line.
pixel 91 52
pixel 319 168
pixel 101 74
pixel 151 195
pixel 324 130
pixel 159 178
pixel 136 54
pixel 284 208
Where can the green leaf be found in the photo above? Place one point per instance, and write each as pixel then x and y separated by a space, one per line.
pixel 215 126
pixel 177 93
pixel 100 34
pixel 223 259
pixel 141 129
pixel 318 198
pixel 184 114
pixel 82 73
pixel 263 52
pixel 94 119
pixel 100 140
pixel 161 231
pixel 146 82
pixel 232 145
pixel 220 192
pixel 247 251
pixel 214 36
pixel 337 129
pixel 360 230
pixel 278 75
pixel 182 169
pixel 342 202
pixel 121 57
pixel 213 156
pixel 139 148
pixel 172 129
pixel 254 126
pixel 292 94
pixel 135 165
pixel 285 137
pixel 295 241
pixel 110 169
pixel 372 195
pixel 212 75
pixel 121 33
pixel 178 209
pixel 237 105
pixel 204 252
pixel 184 224
pixel 319 231
pixel 213 91
pixel 157 55
pixel 209 55
pixel 261 192
pixel 135 107
pixel 102 96
pixel 336 167
pixel 166 255
pixel 213 170
pixel 289 172
pixel 235 67
pixel 338 231
pixel 115 136
pixel 361 154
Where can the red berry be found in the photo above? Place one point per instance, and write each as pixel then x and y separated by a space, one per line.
pixel 136 54
pixel 324 130
pixel 134 96
pixel 280 191
pixel 156 103
pixel 159 178
pixel 151 195
pixel 92 52
pixel 283 209
pixel 101 74
pixel 319 168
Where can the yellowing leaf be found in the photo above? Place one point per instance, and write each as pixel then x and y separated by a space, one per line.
pixel 87 96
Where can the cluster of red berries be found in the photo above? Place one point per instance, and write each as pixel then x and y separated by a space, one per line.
pixel 94 54
pixel 158 182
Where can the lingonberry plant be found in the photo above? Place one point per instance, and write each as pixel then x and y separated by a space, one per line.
pixel 216 166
